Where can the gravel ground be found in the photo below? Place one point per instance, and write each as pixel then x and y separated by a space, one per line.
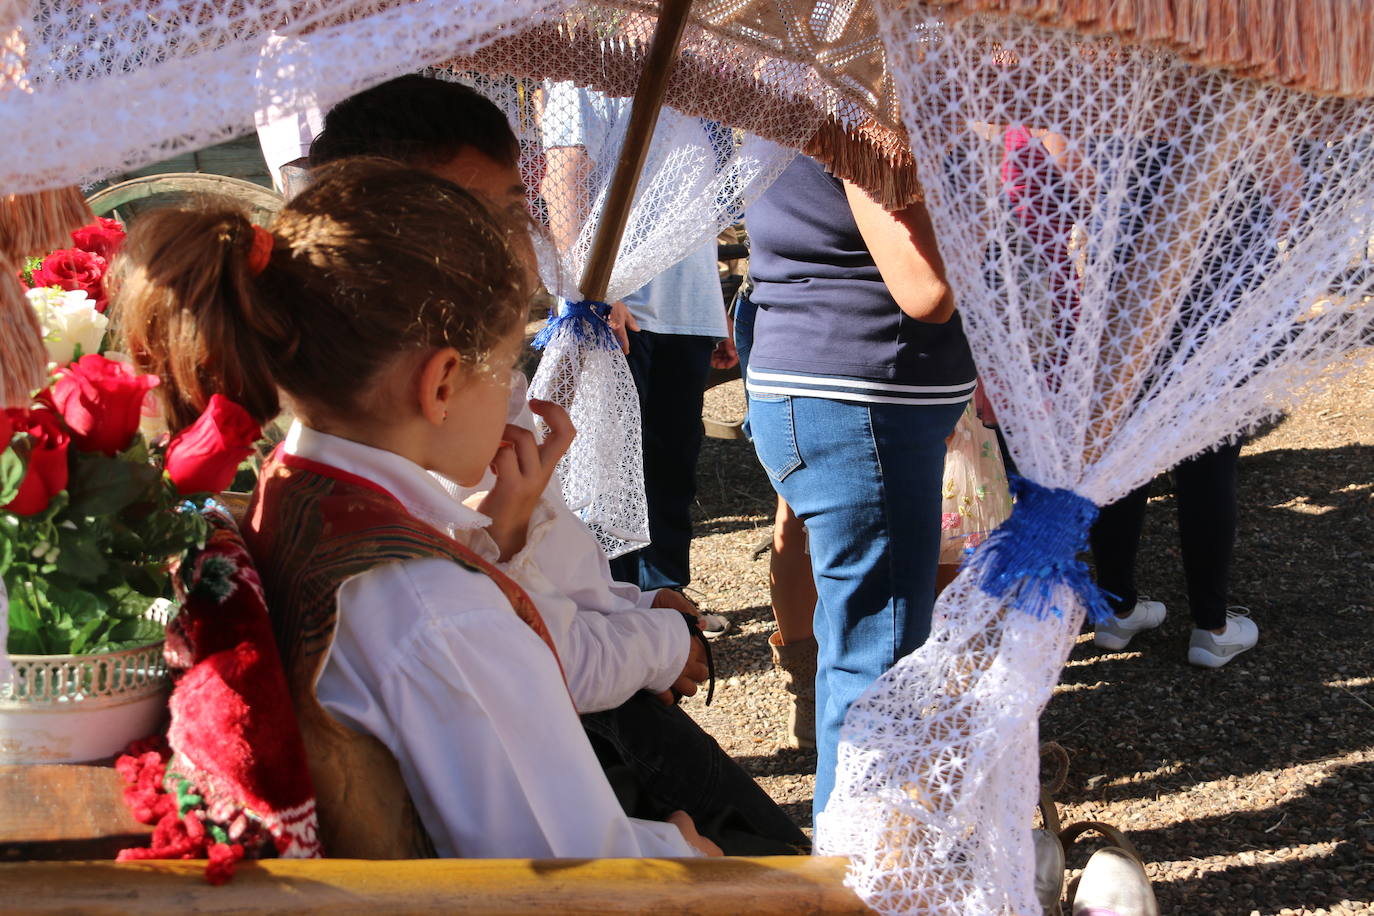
pixel 1248 789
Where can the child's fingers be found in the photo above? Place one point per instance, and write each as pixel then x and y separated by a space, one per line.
pixel 505 464
pixel 561 430
pixel 525 448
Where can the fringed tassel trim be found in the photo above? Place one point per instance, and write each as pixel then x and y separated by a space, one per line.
pixel 719 77
pixel 872 158
pixel 1323 47
pixel 1034 553
pixel 588 322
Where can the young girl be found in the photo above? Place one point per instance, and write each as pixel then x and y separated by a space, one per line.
pixel 386 308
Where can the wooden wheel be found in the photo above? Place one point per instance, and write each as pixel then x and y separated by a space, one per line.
pixel 138 194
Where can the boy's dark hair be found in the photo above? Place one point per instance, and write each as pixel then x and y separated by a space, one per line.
pixel 418 120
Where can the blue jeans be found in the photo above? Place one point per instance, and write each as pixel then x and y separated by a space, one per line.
pixel 865 478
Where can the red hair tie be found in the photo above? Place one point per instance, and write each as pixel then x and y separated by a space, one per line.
pixel 260 252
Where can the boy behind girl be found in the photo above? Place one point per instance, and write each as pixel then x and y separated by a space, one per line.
pixel 626 652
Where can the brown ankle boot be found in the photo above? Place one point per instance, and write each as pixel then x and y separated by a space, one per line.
pixel 797 662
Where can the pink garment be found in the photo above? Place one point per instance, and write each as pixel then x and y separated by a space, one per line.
pixel 1040 197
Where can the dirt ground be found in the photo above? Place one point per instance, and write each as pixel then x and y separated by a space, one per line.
pixel 1248 789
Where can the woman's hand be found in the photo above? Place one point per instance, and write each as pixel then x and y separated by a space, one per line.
pixel 622 319
pixel 523 468
pixel 684 823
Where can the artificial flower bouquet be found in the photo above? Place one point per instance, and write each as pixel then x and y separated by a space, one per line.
pixel 93 511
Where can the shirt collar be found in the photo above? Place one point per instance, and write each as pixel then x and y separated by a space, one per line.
pixel 418 490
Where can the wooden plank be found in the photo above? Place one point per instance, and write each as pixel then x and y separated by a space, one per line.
pixel 475 887
pixel 65 812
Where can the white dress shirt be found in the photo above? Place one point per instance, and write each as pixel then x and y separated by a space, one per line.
pixel 430 658
pixel 611 641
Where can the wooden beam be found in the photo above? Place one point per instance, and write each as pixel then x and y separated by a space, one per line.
pixel 648 99
pixel 783 885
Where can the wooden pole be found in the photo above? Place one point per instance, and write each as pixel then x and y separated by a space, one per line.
pixel 648 99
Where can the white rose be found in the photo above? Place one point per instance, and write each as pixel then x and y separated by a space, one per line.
pixel 69 320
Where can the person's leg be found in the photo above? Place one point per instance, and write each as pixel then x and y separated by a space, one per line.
pixel 792 591
pixel 670 374
pixel 790 583
pixel 625 568
pixel 866 481
pixel 1115 540
pixel 1206 492
pixel 675 765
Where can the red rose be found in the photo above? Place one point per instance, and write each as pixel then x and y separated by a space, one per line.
pixel 204 456
pixel 102 237
pixel 6 430
pixel 102 401
pixel 72 268
pixel 45 474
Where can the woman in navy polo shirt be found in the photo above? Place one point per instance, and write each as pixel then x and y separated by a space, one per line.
pixel 857 374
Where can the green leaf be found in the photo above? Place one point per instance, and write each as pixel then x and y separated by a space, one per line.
pixel 129 633
pixel 129 604
pixel 86 637
pixel 104 486
pixel 80 555
pixel 74 604
pixel 11 474
pixel 26 627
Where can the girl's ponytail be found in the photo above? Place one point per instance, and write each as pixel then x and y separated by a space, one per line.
pixel 189 309
pixel 371 261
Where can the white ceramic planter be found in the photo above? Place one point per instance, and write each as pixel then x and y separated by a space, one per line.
pixel 77 708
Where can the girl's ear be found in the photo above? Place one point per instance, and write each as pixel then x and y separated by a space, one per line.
pixel 441 377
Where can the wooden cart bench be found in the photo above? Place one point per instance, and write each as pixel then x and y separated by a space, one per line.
pixel 53 813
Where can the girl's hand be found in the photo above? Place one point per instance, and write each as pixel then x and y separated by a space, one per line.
pixel 523 468
pixel 684 823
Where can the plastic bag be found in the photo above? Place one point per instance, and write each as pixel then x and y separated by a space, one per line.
pixel 976 496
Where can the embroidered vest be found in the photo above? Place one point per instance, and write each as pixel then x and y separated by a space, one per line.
pixel 310 528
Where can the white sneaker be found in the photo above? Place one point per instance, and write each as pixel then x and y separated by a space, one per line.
pixel 1114 884
pixel 1116 632
pixel 1212 650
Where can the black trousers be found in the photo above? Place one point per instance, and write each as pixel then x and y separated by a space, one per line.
pixel 1205 487
pixel 670 373
pixel 659 760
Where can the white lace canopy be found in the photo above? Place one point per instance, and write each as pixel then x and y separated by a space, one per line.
pixel 1149 257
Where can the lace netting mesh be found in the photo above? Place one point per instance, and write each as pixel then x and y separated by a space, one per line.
pixel 116 86
pixel 1148 257
pixel 698 176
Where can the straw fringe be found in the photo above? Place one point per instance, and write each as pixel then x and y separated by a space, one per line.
pixel 29 224
pixel 1323 47
pixel 39 222
pixel 23 361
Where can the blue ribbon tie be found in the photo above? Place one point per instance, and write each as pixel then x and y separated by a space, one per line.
pixel 1036 550
pixel 587 320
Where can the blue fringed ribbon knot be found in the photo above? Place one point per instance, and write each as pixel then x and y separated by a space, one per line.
pixel 1036 550
pixel 587 320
